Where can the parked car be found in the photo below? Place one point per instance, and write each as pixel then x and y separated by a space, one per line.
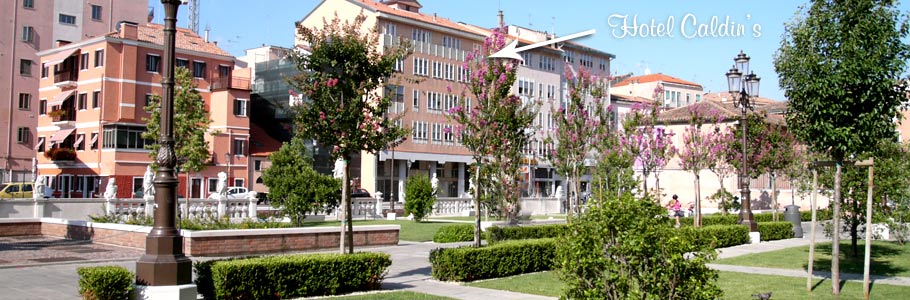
pixel 360 193
pixel 235 192
pixel 16 190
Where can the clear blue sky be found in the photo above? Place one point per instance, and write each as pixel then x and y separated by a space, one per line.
pixel 241 24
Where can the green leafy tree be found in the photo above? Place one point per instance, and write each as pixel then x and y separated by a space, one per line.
pixel 191 121
pixel 295 187
pixel 892 173
pixel 494 127
pixel 419 197
pixel 840 65
pixel 609 252
pixel 343 78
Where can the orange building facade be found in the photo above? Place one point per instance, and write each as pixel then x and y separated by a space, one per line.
pixel 91 111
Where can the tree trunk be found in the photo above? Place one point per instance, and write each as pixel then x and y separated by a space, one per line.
pixel 697 200
pixel 774 197
pixel 645 181
pixel 477 190
pixel 812 230
pixel 723 197
pixel 854 226
pixel 344 204
pixel 835 246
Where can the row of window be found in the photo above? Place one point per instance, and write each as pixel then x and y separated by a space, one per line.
pixel 451 72
pixel 526 88
pixel 422 35
pixel 675 99
pixel 153 64
pixel 440 133
pixel 546 63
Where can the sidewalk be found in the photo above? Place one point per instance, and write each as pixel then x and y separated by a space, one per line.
pixel 410 269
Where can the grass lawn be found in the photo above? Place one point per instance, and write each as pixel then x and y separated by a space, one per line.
pixel 888 258
pixel 410 230
pixel 540 283
pixel 735 286
pixel 399 295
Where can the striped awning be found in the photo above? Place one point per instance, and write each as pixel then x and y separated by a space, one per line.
pixel 79 139
pixel 61 135
pixel 40 143
pixel 60 57
pixel 58 100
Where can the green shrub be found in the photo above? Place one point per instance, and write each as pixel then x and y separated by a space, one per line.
pixel 500 260
pixel 496 234
pixel 772 231
pixel 292 276
pixel 624 248
pixel 205 286
pixel 419 197
pixel 105 283
pixel 454 233
pixel 716 236
pixel 709 220
pixel 820 215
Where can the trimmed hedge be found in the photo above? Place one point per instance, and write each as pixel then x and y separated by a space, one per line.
pixel 496 234
pixel 454 233
pixel 771 231
pixel 719 236
pixel 500 260
pixel 708 220
pixel 105 283
pixel 292 276
pixel 205 286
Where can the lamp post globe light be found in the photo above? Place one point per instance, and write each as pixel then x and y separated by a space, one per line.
pixel 743 86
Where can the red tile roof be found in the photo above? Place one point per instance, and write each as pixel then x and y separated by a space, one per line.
pixel 628 98
pixel 726 110
pixel 426 18
pixel 655 77
pixel 186 39
pixel 261 144
pixel 727 98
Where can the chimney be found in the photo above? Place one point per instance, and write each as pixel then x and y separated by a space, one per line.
pixel 207 33
pixel 502 22
pixel 129 30
pixel 434 17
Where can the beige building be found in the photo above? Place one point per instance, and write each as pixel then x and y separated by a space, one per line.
pixel 30 26
pixel 676 92
pixel 440 45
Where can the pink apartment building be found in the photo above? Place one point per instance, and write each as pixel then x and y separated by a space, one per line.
pixel 90 111
pixel 30 26
pixel 677 92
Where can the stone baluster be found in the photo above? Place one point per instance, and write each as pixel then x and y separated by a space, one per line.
pixel 253 212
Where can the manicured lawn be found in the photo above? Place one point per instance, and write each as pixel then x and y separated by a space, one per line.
pixel 735 286
pixel 410 230
pixel 541 283
pixel 399 295
pixel 742 286
pixel 888 258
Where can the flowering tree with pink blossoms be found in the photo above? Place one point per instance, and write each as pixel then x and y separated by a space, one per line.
pixel 719 142
pixel 343 78
pixel 696 154
pixel 579 124
pixel 650 145
pixel 494 125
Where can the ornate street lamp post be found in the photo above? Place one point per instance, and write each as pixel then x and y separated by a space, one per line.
pixel 164 263
pixel 743 86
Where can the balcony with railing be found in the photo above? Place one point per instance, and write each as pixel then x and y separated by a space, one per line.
pixel 66 73
pixel 63 113
pixel 230 82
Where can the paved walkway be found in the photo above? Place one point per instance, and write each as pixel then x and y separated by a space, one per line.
pixel 26 276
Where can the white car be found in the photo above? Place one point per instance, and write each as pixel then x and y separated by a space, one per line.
pixel 236 192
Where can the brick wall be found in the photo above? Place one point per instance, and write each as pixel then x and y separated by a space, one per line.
pixel 20 228
pixel 252 244
pixel 205 243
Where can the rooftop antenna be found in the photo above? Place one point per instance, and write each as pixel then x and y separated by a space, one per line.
pixel 194 15
pixel 553 25
pixel 530 24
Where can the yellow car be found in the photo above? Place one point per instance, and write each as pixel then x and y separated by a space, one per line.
pixel 16 190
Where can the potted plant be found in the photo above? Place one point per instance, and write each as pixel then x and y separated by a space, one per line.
pixel 60 154
pixel 57 113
